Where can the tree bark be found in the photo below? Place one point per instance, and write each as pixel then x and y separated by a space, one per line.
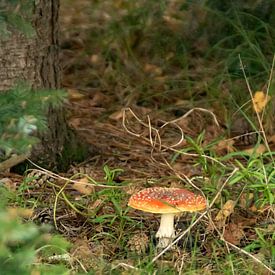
pixel 33 59
pixel 36 60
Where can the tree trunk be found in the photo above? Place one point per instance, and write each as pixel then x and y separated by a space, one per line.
pixel 33 59
pixel 36 60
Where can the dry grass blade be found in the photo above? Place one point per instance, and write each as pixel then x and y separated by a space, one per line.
pixel 197 109
pixel 68 180
pixel 157 141
pixel 240 249
pixel 198 219
pixel 251 95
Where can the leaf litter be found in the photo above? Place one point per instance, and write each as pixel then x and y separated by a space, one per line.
pixel 106 110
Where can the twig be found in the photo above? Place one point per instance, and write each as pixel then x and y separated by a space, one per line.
pixel 240 249
pixel 249 255
pixel 157 139
pixel 12 161
pixel 56 176
pixel 196 109
pixel 269 82
pixel 257 114
pixel 124 265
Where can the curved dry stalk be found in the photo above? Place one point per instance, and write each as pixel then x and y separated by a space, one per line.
pixel 240 249
pixel 181 131
pixel 68 180
pixel 157 136
pixel 260 119
pixel 12 161
pixel 196 109
pixel 184 177
pixel 269 82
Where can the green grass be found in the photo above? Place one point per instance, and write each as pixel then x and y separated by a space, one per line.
pixel 202 67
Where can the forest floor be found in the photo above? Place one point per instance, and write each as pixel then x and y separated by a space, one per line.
pixel 149 121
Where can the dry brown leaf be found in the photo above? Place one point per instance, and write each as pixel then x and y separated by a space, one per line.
pixel 152 69
pixel 225 147
pixel 95 204
pixel 75 95
pixel 259 101
pixel 173 23
pixel 169 56
pixel 98 99
pixel 233 233
pixel 96 59
pixel 260 149
pixel 270 228
pixel 9 184
pixel 246 200
pixel 224 213
pixel 20 212
pixel 160 79
pixel 81 248
pixel 86 252
pixel 261 209
pixel 75 122
pixel 83 186
pixel 117 115
pixel 272 139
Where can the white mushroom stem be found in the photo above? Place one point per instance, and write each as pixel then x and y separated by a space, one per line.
pixel 166 232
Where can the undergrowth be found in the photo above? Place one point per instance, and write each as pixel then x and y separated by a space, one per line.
pixel 168 57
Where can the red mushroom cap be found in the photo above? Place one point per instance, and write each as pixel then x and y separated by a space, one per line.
pixel 166 200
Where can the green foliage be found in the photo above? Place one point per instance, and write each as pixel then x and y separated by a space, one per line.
pixel 196 39
pixel 23 113
pixel 242 29
pixel 110 174
pixel 16 14
pixel 21 244
pixel 258 176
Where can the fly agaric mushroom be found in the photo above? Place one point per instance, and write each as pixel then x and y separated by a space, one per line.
pixel 167 202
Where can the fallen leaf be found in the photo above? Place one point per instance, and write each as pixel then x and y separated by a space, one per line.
pixel 10 184
pixel 75 122
pixel 258 150
pixel 272 139
pixel 260 209
pixel 81 249
pixel 98 99
pixel 152 69
pixel 96 59
pixel 224 213
pixel 173 23
pixel 246 200
pixel 20 212
pixel 270 229
pixel 117 115
pixel 95 204
pixel 225 147
pixel 83 186
pixel 75 95
pixel 233 233
pixel 260 99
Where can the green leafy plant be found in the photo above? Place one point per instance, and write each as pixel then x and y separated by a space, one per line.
pixel 110 174
pixel 22 114
pixel 23 243
pixel 16 14
pixel 258 177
